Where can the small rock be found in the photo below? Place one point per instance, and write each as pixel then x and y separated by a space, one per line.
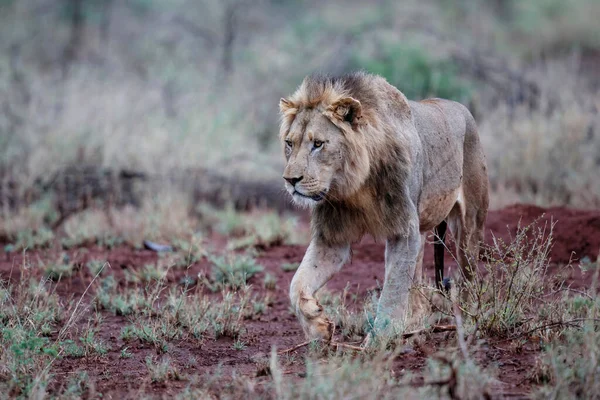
pixel 159 248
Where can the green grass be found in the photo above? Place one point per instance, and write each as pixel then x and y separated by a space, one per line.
pixel 31 239
pixel 270 281
pixel 97 267
pixel 239 345
pixel 91 344
pixel 233 270
pixel 161 371
pixel 61 268
pixel 148 273
pixel 259 229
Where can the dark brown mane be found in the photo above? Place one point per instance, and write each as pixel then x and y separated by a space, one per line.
pixel 380 208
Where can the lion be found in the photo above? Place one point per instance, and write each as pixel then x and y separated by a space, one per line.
pixel 368 161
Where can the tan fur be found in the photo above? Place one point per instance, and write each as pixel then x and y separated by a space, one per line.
pixel 368 161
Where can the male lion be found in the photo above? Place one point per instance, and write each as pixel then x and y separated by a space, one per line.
pixel 368 161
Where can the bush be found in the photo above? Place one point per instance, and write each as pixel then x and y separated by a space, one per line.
pixel 414 72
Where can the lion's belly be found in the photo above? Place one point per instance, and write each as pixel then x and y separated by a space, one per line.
pixel 434 209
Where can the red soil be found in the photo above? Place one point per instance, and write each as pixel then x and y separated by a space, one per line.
pixel 116 377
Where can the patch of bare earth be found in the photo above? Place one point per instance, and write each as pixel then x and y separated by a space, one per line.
pixel 577 235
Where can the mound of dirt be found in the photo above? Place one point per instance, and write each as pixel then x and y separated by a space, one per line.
pixel 576 232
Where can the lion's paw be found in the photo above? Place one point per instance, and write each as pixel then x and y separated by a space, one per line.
pixel 310 307
pixel 318 326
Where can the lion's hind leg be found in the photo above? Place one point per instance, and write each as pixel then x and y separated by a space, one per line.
pixel 439 245
pixel 473 201
pixel 466 222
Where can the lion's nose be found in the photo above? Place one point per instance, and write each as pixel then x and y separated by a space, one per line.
pixel 293 180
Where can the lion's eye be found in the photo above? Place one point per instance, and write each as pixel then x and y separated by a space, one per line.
pixel 288 143
pixel 317 144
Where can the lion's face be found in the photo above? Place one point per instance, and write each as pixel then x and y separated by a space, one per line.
pixel 327 156
pixel 314 148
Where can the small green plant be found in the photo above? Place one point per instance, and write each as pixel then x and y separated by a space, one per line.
pixel 163 371
pixel 31 239
pixel 96 267
pixel 132 301
pixel 149 273
pixel 72 349
pixel 127 333
pixel 267 229
pixel 125 353
pixel 352 324
pixel 341 377
pixel 61 268
pixel 258 308
pixel 226 221
pixel 270 282
pixel 233 270
pixel 239 345
pixel 109 241
pixel 226 320
pixel 569 367
pixel 256 229
pixel 77 385
pixel 158 333
pixel 92 345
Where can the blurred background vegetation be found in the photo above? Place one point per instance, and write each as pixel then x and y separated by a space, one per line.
pixel 186 91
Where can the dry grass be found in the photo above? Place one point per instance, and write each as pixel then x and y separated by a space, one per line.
pixel 547 155
pixel 122 106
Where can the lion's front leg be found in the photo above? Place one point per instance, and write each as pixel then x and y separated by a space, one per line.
pixel 401 257
pixel 319 264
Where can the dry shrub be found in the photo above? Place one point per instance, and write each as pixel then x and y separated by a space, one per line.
pixel 504 297
pixel 351 320
pixel 163 217
pixel 258 228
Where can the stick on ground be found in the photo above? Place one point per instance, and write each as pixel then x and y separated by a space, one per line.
pixel 433 329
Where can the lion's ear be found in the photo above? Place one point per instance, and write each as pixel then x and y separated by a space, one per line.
pixel 347 109
pixel 286 107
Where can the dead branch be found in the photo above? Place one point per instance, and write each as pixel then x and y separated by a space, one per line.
pixel 570 323
pixel 433 329
pixel 347 346
pixel 298 346
pixel 332 344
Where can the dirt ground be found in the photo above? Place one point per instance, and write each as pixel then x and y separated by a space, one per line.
pixel 577 235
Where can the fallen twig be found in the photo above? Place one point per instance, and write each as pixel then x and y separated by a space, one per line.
pixel 347 346
pixel 298 346
pixel 433 329
pixel 333 344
